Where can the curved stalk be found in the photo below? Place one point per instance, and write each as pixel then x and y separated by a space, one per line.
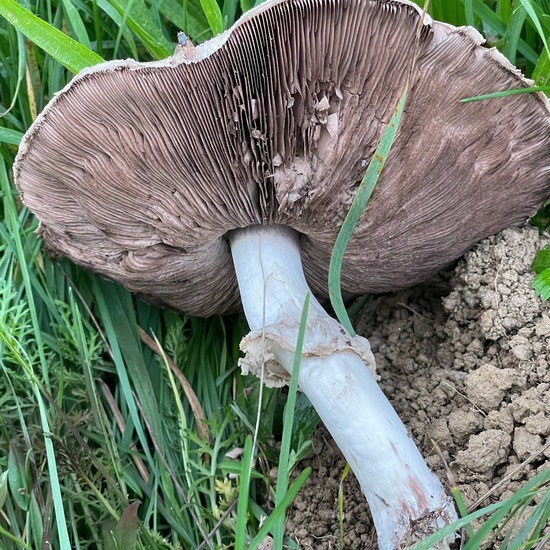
pixel 406 499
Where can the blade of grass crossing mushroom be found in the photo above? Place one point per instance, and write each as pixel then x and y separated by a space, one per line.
pixel 429 542
pixel 357 208
pixel 68 52
pixel 288 422
pixel 506 93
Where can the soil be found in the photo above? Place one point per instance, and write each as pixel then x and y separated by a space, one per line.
pixel 464 360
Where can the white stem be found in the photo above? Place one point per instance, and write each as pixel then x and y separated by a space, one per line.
pixel 406 499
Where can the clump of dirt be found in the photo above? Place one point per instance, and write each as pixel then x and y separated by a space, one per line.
pixel 464 360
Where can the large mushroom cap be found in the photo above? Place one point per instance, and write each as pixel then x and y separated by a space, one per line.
pixel 139 171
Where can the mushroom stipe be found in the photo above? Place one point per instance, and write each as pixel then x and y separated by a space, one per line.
pixel 218 179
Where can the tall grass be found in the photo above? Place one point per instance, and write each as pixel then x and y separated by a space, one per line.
pixel 101 442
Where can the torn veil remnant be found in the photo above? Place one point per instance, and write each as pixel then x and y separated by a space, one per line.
pixel 206 180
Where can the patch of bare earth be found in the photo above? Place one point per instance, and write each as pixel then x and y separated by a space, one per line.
pixel 464 359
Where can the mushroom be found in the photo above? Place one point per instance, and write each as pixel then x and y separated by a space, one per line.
pixel 206 181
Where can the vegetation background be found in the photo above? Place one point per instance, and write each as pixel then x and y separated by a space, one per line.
pixel 123 425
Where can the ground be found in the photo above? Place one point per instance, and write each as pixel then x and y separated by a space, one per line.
pixel 464 360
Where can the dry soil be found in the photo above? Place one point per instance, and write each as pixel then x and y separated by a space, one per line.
pixel 464 360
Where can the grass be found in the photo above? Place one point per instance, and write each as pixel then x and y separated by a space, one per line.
pixel 101 443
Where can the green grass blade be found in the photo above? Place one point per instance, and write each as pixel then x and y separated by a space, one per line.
pixel 97 27
pixel 288 423
pixel 126 529
pixel 429 542
pixel 469 12
pixel 248 4
pixel 61 47
pixel 20 543
pixel 17 478
pixel 490 18
pixel 15 230
pixel 3 488
pixel 213 15
pixel 51 462
pixel 513 33
pixel 76 23
pixel 12 137
pixel 504 10
pixel 244 493
pixel 55 486
pixel 306 420
pixel 107 304
pixel 117 18
pixel 280 509
pixel 498 511
pixel 506 93
pixel 191 21
pixel 138 18
pixel 357 207
pixel 21 66
pixel 229 11
pixel 530 530
pixel 541 73
pixel 462 508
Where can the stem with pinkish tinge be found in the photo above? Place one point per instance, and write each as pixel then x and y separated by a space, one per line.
pixel 406 499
